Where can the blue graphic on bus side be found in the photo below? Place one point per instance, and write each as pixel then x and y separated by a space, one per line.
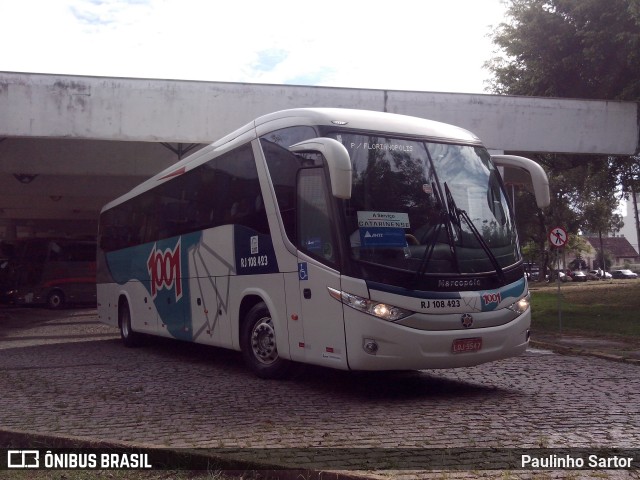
pixel 492 299
pixel 162 268
pixel 254 252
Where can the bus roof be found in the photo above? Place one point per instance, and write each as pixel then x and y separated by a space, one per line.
pixel 375 121
pixel 366 120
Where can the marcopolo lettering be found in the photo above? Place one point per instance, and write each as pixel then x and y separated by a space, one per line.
pixel 165 270
pixel 470 282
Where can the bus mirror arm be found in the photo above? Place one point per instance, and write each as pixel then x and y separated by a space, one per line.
pixel 338 161
pixel 538 176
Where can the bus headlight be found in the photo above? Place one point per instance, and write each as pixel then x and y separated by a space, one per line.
pixel 385 311
pixel 521 305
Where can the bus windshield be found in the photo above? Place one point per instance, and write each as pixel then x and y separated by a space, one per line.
pixel 427 208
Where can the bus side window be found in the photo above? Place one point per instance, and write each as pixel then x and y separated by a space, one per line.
pixel 314 221
pixel 239 190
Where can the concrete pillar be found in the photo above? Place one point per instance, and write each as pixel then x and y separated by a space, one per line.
pixel 8 230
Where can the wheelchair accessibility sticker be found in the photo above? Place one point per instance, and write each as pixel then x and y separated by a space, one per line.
pixel 303 273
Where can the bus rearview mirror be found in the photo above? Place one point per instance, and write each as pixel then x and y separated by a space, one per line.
pixel 538 176
pixel 338 162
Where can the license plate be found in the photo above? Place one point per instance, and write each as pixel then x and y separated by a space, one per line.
pixel 463 345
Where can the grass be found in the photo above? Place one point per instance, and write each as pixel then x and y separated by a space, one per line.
pixel 601 308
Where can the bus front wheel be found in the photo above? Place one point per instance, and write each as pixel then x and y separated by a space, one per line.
pixel 129 337
pixel 258 343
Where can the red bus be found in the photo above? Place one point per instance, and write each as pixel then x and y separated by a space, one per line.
pixel 53 272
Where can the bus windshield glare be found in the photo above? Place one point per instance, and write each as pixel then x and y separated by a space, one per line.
pixel 426 207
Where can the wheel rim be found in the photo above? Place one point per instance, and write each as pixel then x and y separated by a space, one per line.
pixel 263 341
pixel 55 300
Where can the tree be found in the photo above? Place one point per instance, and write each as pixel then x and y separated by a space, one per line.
pixel 579 49
pixel 577 187
pixel 569 48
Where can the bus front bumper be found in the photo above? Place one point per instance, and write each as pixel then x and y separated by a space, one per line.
pixel 374 344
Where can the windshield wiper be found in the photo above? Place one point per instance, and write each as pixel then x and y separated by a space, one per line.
pixel 455 214
pixel 428 252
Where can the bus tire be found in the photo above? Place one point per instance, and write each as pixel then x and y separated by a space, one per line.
pixel 55 300
pixel 258 343
pixel 129 337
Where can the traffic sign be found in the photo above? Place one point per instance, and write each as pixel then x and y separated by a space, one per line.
pixel 558 237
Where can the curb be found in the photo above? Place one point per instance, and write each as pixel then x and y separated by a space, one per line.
pixel 566 350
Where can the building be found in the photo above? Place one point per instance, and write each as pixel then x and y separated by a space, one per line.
pixel 618 249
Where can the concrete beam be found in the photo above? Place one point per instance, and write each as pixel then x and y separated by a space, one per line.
pixel 531 124
pixel 146 110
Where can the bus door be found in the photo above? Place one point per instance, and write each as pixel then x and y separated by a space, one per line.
pixel 322 316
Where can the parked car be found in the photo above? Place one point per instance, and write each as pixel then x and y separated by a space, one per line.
pixel 593 275
pixel 532 272
pixel 624 273
pixel 598 274
pixel 558 274
pixel 578 276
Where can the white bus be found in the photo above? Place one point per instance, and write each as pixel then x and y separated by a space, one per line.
pixel 350 239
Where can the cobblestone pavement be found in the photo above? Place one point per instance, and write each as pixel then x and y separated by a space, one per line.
pixel 65 374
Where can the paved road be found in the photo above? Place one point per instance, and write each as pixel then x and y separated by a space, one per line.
pixel 65 374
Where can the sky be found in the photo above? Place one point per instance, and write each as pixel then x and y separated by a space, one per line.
pixel 424 45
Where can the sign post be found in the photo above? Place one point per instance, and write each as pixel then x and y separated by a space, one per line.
pixel 558 238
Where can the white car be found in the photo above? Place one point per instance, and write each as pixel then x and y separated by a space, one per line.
pixel 600 274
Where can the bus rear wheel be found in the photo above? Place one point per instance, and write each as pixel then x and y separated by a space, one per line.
pixel 129 337
pixel 55 300
pixel 258 343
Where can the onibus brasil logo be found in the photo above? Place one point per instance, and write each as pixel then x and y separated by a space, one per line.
pixel 165 270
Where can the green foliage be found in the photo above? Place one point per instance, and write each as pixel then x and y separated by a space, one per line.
pixel 569 48
pixel 578 49
pixel 583 199
pixel 608 261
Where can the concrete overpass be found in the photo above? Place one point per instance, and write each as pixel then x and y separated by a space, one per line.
pixel 69 144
